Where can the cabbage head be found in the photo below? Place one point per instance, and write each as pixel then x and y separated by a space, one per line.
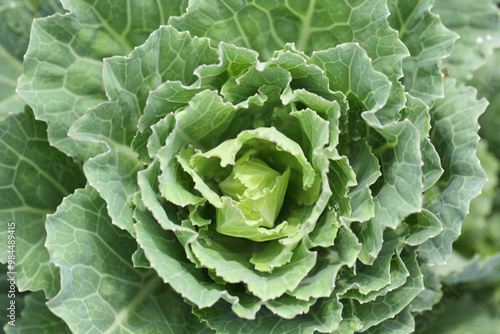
pixel 285 166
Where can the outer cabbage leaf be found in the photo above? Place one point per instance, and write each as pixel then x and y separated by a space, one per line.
pixel 478 25
pixel 15 24
pixel 62 70
pixel 99 280
pixel 36 317
pixel 472 291
pixel 463 176
pixel 34 178
pixel 5 300
pixel 472 311
pixel 428 41
pixel 487 82
pixel 480 232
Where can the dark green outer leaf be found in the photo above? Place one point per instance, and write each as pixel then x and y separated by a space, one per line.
pixel 462 312
pixel 478 271
pixel 62 75
pixel 428 41
pixel 464 177
pixel 487 82
pixel 34 178
pixel 100 288
pixel 478 24
pixel 36 318
pixel 15 24
pixel 4 298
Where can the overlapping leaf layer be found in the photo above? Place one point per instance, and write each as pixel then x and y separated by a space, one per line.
pixel 253 167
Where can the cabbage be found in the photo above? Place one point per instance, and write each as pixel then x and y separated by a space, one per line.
pixel 285 166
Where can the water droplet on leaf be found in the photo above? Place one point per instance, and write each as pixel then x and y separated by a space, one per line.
pixel 209 241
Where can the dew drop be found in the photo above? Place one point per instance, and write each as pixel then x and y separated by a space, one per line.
pixel 479 40
pixel 209 241
pixel 356 133
pixel 352 324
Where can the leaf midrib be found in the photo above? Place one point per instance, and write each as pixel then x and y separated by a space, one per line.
pixel 143 294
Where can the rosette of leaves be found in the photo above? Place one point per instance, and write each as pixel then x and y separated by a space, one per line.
pixel 256 166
